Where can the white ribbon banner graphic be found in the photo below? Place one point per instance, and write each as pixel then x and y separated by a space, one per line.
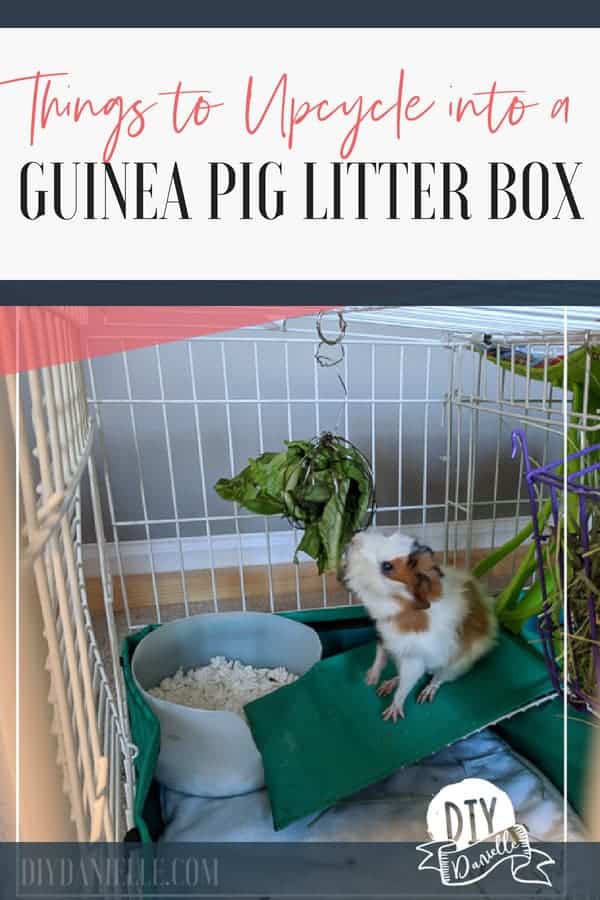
pixel 471 864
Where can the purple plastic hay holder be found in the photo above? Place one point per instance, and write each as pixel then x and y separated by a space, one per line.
pixel 548 476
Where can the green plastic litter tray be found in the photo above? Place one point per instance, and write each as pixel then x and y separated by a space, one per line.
pixel 316 750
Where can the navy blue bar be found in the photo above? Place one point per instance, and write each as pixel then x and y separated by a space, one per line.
pixel 299 293
pixel 279 869
pixel 308 13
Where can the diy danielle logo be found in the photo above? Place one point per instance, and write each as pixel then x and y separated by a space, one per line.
pixel 474 831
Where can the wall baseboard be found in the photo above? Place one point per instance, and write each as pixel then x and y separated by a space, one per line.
pixel 285 588
pixel 165 554
pixel 257 549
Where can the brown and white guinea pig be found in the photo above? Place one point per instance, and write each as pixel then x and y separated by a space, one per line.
pixel 428 620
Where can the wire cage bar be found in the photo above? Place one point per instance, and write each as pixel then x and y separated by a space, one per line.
pixel 509 322
pixel 56 436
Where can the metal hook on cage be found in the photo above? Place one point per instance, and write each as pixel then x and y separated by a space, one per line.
pixel 340 334
pixel 133 749
pixel 325 360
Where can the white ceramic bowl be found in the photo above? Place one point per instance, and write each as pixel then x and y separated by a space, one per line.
pixel 210 753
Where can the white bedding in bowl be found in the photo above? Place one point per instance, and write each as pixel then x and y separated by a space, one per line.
pixel 223 684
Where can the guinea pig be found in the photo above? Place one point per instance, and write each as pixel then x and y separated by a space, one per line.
pixel 428 620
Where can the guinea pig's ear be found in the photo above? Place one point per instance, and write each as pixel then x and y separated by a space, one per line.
pixel 427 574
pixel 420 558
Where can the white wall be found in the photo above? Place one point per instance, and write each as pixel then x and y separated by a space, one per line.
pixel 109 376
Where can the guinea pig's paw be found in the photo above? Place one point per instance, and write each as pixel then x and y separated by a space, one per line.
pixel 388 686
pixel 394 712
pixel 427 695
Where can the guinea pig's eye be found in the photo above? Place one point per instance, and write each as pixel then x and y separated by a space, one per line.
pixel 387 567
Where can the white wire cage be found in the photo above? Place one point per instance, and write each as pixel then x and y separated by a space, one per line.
pixel 432 411
pixel 131 445
pixel 55 437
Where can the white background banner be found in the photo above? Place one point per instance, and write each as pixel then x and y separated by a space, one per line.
pixel 410 229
